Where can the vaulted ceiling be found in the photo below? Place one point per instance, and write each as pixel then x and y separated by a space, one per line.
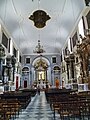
pixel 64 14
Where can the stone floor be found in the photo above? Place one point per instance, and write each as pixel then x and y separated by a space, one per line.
pixel 38 109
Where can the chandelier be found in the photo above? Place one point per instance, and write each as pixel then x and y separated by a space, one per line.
pixel 39 49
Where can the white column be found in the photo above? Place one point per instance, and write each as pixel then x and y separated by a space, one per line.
pixel 0 34
pixel 18 56
pixel 11 47
pixel 81 28
pixel 69 46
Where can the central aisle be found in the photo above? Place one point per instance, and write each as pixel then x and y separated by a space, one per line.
pixel 38 109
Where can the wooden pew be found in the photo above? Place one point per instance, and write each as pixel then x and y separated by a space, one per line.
pixel 71 105
pixel 9 108
pixel 12 103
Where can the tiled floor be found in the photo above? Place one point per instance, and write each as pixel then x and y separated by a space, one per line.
pixel 38 109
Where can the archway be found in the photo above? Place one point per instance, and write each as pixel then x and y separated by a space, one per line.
pixel 25 75
pixel 56 71
pixel 41 65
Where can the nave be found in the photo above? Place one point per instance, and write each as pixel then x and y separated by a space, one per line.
pixel 38 109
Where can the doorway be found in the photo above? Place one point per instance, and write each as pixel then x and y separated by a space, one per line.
pixel 16 82
pixel 25 83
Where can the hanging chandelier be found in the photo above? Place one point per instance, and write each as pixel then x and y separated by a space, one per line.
pixel 39 49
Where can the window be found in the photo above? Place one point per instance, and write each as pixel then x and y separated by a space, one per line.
pixel 71 44
pixel 66 50
pixel 76 59
pixel 28 60
pixel 20 58
pixel 56 69
pixel 88 19
pixel 83 22
pixel 4 40
pixel 25 69
pixel 74 39
pixel 15 52
pixel 61 57
pixel 9 45
pixel 87 2
pixel 53 59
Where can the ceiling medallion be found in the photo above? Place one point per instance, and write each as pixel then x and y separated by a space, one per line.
pixel 39 18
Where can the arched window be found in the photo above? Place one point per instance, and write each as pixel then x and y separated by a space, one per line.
pixel 56 69
pixel 25 69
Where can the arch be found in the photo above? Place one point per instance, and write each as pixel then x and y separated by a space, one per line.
pixel 25 68
pixel 41 64
pixel 25 76
pixel 56 74
pixel 43 58
pixel 56 68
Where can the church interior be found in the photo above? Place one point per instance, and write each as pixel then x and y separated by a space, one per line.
pixel 45 60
